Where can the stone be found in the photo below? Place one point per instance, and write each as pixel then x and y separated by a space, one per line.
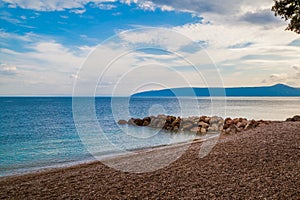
pixel 207 119
pixel 228 131
pixel 236 120
pixel 175 128
pixel 159 124
pixel 254 123
pixel 122 122
pixel 296 118
pixel 214 127
pixel 220 122
pixel 195 130
pixel 203 130
pixel 138 122
pixel 228 120
pixel 170 119
pixel 289 119
pixel 187 127
pixel 203 124
pixel 131 121
pixel 176 122
pixel 146 123
pixel 202 118
pixel 233 129
pixel 226 126
pixel 239 125
pixel 238 129
pixel 248 125
pixel 148 119
pixel 244 122
pixel 153 122
pixel 213 120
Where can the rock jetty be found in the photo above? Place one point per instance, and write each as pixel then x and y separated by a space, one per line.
pixel 296 118
pixel 195 124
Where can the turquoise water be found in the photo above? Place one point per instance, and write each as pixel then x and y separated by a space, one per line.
pixel 40 132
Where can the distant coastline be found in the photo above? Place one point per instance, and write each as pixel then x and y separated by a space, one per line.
pixel 278 90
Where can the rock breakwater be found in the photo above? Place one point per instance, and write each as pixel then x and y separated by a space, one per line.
pixel 195 124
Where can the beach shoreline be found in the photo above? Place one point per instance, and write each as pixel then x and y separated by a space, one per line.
pixel 261 163
pixel 104 158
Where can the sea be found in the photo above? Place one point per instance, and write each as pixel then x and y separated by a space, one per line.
pixel 38 133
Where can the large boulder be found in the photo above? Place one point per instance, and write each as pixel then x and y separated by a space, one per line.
pixel 176 122
pixel 138 122
pixel 227 122
pixel 203 130
pixel 296 118
pixel 202 124
pixel 213 127
pixel 159 124
pixel 146 121
pixel 195 130
pixel 202 118
pixel 131 121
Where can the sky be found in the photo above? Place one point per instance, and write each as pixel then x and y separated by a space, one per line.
pixel 109 47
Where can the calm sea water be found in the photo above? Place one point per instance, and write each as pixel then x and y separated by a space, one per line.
pixel 40 132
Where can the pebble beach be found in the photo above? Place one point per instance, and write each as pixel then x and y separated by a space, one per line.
pixel 257 163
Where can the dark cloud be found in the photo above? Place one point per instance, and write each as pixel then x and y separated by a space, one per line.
pixel 260 17
pixel 198 6
pixel 241 45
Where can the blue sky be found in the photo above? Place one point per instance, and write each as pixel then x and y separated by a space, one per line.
pixel 45 45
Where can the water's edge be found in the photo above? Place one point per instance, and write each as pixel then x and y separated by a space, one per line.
pixel 107 157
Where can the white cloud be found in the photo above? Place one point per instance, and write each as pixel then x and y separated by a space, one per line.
pixel 268 53
pixel 215 6
pixel 45 69
pixel 147 5
pixel 159 38
pixel 103 6
pixel 128 2
pixel 53 5
pixel 78 5
pixel 6 69
pixel 166 8
pixel 288 77
pixel 78 11
pixel 243 38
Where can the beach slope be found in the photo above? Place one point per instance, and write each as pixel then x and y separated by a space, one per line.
pixel 259 163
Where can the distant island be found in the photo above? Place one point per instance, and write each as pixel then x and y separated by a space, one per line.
pixel 278 90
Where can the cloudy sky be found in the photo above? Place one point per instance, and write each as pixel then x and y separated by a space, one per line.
pixel 120 47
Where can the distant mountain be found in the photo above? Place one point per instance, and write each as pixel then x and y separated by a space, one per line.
pixel 279 90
